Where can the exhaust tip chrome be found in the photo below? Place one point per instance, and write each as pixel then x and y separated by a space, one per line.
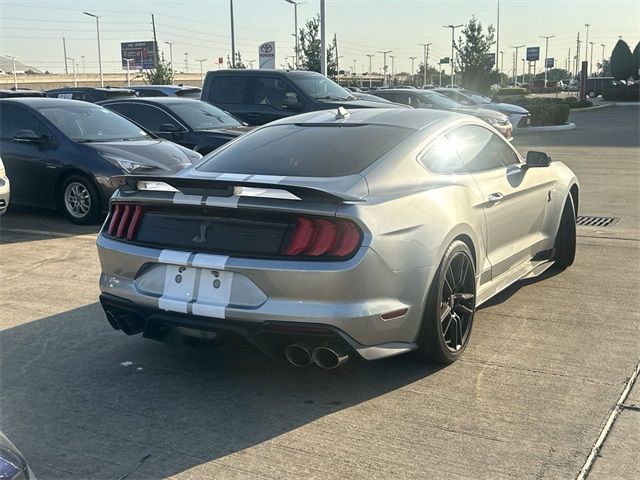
pixel 329 356
pixel 112 319
pixel 298 354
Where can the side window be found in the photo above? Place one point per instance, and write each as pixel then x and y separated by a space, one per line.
pixel 441 156
pixel 121 108
pixel 79 96
pixel 13 119
pixel 150 118
pixel 228 89
pixel 272 91
pixel 478 148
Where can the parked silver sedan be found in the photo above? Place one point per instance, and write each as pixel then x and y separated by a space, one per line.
pixel 5 191
pixel 333 234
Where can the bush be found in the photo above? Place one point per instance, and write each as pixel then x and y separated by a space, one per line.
pixel 622 92
pixel 549 114
pixel 582 104
pixel 512 91
pixel 543 89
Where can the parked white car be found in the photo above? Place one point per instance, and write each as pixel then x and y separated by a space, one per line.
pixel 4 189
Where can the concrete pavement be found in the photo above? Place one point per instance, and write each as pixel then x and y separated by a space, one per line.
pixel 547 362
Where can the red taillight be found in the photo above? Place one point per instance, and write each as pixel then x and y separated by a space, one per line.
pixel 125 221
pixel 315 237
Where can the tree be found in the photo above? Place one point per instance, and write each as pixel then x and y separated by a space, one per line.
pixel 471 55
pixel 604 68
pixel 621 61
pixel 239 63
pixel 161 75
pixel 636 62
pixel 433 75
pixel 309 48
pixel 555 74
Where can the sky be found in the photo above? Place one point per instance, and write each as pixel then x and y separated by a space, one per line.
pixel 32 30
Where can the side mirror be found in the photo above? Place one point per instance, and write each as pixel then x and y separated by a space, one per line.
pixel 537 159
pixel 27 136
pixel 290 102
pixel 169 128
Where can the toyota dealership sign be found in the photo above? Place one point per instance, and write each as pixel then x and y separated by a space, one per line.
pixel 267 55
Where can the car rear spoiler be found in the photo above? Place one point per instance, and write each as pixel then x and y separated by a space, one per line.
pixel 226 188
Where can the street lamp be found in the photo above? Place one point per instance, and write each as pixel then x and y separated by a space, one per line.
pixel 602 45
pixel 587 41
pixel 370 56
pixel 295 16
pixel 233 38
pixel 84 70
pixel 73 63
pixel 425 51
pixel 128 60
pixel 591 59
pixel 546 55
pixel 413 80
pixel 523 71
pixel 501 66
pixel 393 70
pixel 15 75
pixel 201 75
pixel 453 43
pixel 99 54
pixel 170 54
pixel 384 69
pixel 515 64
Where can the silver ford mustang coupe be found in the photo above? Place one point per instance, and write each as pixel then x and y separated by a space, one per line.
pixel 333 234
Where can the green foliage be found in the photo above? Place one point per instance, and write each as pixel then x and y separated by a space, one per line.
pixel 511 91
pixel 433 75
pixel 161 75
pixel 554 74
pixel 239 63
pixel 604 68
pixel 580 104
pixel 622 93
pixel 309 48
pixel 622 61
pixel 548 114
pixel 635 72
pixel 471 55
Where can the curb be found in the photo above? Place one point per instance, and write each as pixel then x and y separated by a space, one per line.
pixel 597 107
pixel 546 128
pixel 627 104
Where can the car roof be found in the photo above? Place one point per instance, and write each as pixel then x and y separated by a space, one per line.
pixel 257 72
pixel 415 119
pixel 155 100
pixel 39 102
pixel 174 88
pixel 83 89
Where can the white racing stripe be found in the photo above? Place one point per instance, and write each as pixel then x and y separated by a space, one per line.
pixel 182 199
pixel 173 256
pixel 179 283
pixel 229 202
pixel 214 293
pixel 233 177
pixel 266 179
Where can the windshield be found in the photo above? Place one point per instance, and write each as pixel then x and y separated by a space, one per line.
pixel 92 123
pixel 188 93
pixel 203 116
pixel 321 88
pixel 476 97
pixel 439 101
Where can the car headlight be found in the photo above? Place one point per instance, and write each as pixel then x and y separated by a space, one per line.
pixel 128 166
pixel 490 120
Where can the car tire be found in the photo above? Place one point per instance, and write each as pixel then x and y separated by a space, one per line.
pixel 592 94
pixel 450 307
pixel 565 244
pixel 78 199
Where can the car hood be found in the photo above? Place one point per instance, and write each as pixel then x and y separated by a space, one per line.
pixel 156 153
pixel 480 112
pixel 230 132
pixel 361 104
pixel 507 108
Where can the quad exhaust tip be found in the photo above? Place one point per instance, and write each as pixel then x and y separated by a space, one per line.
pixel 299 354
pixel 329 356
pixel 129 323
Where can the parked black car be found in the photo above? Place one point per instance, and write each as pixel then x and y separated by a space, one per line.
pixel 596 85
pixel 89 94
pixel 261 96
pixel 64 154
pixel 183 91
pixel 21 92
pixel 191 123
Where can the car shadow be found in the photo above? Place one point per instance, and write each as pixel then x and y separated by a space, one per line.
pixel 84 401
pixel 508 292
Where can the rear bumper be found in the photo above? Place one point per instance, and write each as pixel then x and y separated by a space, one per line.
pixel 347 298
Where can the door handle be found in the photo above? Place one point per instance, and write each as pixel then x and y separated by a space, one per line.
pixel 495 197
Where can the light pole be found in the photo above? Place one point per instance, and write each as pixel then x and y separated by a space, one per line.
pixel 501 65
pixel 323 41
pixel 453 43
pixel 384 69
pixel 233 39
pixel 128 60
pixel 425 51
pixel 73 64
pixel 295 16
pixel 201 74
pixel 587 41
pixel 602 45
pixel 15 75
pixel 370 56
pixel 84 70
pixel 99 54
pixel 413 70
pixel 591 59
pixel 186 62
pixel 393 70
pixel 440 70
pixel 515 64
pixel 523 63
pixel 170 54
pixel 546 55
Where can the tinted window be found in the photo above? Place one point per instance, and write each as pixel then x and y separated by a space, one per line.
pixel 150 117
pixel 320 87
pixel 92 124
pixel 437 100
pixel 121 108
pixel 228 89
pixel 313 151
pixel 188 93
pixel 13 119
pixel 442 157
pixel 202 115
pixel 479 148
pixel 272 91
pixel 150 93
pixel 116 94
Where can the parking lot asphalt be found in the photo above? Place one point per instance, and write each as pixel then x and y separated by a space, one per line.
pixel 547 362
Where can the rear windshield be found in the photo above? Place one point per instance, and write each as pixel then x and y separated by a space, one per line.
pixel 307 151
pixel 188 93
pixel 118 94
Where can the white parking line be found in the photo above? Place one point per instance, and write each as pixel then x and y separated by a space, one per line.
pixel 88 236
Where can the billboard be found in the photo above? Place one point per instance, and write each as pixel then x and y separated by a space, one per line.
pixel 533 54
pixel 444 60
pixel 267 55
pixel 549 63
pixel 141 54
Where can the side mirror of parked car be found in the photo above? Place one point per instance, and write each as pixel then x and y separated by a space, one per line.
pixel 537 159
pixel 27 136
pixel 290 102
